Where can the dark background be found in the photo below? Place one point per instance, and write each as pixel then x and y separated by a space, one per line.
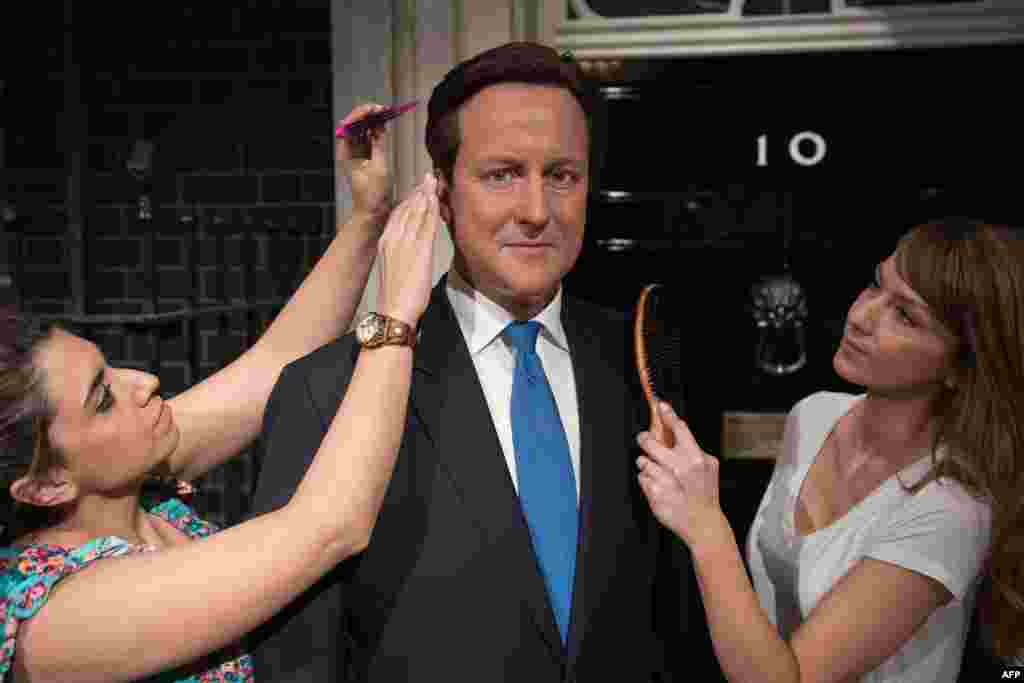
pixel 237 105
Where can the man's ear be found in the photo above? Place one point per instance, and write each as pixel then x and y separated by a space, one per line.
pixel 53 489
pixel 443 197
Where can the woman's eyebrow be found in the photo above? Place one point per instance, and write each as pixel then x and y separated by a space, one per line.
pixel 902 296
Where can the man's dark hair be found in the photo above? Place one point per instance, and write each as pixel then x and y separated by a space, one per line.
pixel 520 62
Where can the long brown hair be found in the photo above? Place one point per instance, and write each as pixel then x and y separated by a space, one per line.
pixel 971 274
pixel 25 417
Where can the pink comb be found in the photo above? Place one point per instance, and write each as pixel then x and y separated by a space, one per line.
pixel 358 129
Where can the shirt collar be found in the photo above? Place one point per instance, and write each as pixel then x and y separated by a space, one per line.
pixel 482 320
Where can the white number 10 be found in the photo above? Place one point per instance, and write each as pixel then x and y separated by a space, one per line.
pixel 795 153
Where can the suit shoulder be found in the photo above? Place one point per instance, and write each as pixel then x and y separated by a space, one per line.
pixel 594 315
pixel 606 331
pixel 329 363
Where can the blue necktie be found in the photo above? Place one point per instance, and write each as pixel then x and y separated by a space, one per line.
pixel 547 487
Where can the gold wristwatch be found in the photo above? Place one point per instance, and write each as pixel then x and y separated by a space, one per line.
pixel 376 329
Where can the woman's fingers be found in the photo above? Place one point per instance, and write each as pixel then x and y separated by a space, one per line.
pixel 420 213
pixel 344 146
pixel 365 164
pixel 422 224
pixel 398 219
pixel 657 451
pixel 413 216
pixel 680 483
pixel 661 489
pixel 433 216
pixel 378 143
pixel 407 256
pixel 681 430
pixel 654 471
pixel 681 462
pixel 650 488
pixel 358 112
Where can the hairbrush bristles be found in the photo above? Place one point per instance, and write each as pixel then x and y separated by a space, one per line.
pixel 658 350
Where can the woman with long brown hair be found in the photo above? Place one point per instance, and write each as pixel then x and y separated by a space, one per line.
pixel 885 509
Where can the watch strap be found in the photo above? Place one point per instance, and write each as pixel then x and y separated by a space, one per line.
pixel 389 332
pixel 398 332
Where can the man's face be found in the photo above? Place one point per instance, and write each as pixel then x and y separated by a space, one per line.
pixel 518 203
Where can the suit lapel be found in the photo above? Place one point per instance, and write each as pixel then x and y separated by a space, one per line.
pixel 449 401
pixel 601 397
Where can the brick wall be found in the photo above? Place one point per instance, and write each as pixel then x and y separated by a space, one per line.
pixel 241 190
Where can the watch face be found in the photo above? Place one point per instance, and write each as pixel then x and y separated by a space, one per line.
pixel 368 328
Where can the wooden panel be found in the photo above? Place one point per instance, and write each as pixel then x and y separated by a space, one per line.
pixel 752 435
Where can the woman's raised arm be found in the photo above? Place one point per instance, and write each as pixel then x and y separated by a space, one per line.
pixel 221 415
pixel 127 618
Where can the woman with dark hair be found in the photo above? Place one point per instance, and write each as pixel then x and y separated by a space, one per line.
pixel 83 438
pixel 885 509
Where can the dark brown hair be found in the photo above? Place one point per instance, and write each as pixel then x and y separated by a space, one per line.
pixel 520 62
pixel 25 417
pixel 971 274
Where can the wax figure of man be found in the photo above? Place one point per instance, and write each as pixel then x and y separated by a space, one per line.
pixel 514 543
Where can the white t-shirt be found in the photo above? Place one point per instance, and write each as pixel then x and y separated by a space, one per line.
pixel 941 532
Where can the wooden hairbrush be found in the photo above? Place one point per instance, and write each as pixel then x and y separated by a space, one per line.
pixel 657 346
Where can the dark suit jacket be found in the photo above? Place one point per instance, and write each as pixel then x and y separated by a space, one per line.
pixel 449 588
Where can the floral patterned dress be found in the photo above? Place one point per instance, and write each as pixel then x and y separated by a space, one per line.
pixel 28 574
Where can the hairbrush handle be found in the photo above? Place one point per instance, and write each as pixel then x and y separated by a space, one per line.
pixel 658 428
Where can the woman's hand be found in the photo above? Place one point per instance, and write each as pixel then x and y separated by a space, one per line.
pixel 370 179
pixel 406 252
pixel 681 483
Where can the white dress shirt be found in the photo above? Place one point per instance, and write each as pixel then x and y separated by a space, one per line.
pixel 482 322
